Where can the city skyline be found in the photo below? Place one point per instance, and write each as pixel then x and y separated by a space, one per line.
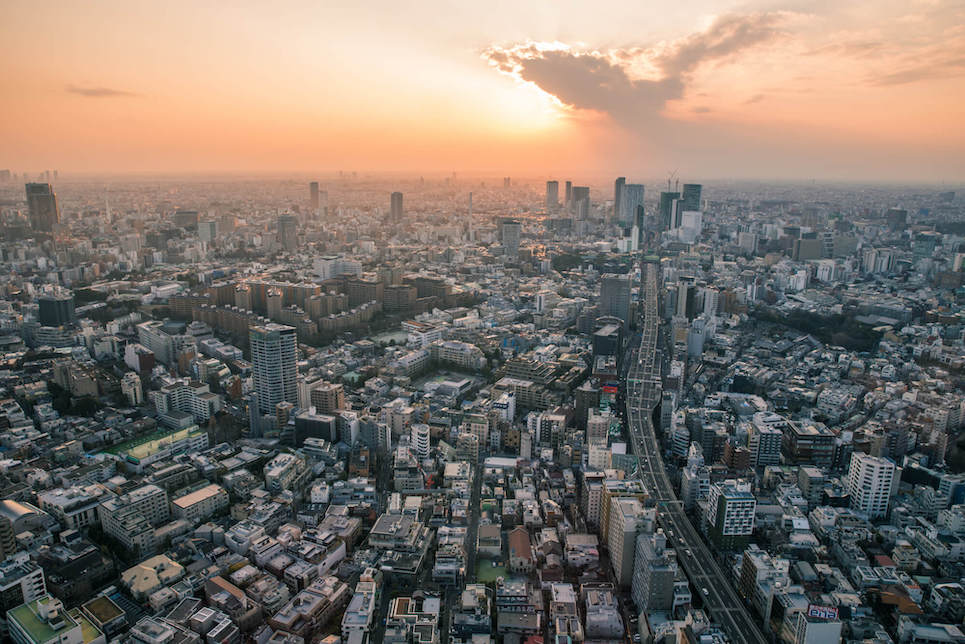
pixel 769 90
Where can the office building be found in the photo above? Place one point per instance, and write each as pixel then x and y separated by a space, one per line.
pixel 395 207
pixel 618 195
pixel 872 481
pixel 274 353
pixel 655 570
pixel 313 196
pixel 288 232
pixel 327 397
pixel 668 206
pixel 690 200
pixel 552 195
pixel 511 231
pixel 568 195
pixel 55 308
pixel 580 202
pixel 626 522
pixel 631 204
pixel 730 514
pixel 764 443
pixel 615 296
pixel 208 231
pixel 42 207
pixel 819 625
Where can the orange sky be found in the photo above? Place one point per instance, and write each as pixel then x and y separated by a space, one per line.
pixel 758 88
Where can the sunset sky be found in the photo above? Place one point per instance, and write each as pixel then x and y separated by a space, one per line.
pixel 765 89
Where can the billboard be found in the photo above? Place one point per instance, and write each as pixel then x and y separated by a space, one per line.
pixel 822 612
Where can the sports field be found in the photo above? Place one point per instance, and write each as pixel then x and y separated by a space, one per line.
pixel 143 446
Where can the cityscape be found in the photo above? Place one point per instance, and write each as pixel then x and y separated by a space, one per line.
pixel 648 381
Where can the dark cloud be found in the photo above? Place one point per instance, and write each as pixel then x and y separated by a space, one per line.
pixel 756 98
pixel 702 109
pixel 605 82
pixel 98 92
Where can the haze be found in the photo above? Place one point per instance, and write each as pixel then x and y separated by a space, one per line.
pixel 759 89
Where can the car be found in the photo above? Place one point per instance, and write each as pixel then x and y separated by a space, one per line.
pixel 705 592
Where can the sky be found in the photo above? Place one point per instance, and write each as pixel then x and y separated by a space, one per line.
pixel 718 89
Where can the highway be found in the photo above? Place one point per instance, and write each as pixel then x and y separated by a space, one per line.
pixel 642 393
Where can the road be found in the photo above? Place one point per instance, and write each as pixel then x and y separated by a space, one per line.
pixel 642 387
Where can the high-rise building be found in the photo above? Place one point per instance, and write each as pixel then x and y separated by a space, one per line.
pixel 655 570
pixel 327 397
pixel 667 203
pixel 56 308
pixel 615 296
pixel 730 514
pixel 872 481
pixel 568 194
pixel 208 230
pixel 288 232
pixel 313 196
pixel 419 440
pixel 690 199
pixel 42 207
pixel 628 518
pixel 552 195
pixel 274 354
pixel 395 207
pixel 580 201
pixel 511 231
pixel 764 443
pixel 618 195
pixel 631 204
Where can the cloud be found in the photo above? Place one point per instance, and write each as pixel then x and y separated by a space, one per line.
pixel 632 85
pixel 98 92
pixel 756 98
pixel 932 68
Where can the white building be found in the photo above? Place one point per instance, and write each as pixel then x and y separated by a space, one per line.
pixel 131 388
pixel 872 481
pixel 419 440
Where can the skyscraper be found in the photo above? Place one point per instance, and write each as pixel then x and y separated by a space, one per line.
pixel 568 194
pixel 395 208
pixel 580 201
pixel 288 232
pixel 56 308
pixel 42 206
pixel 667 209
pixel 511 231
pixel 615 296
pixel 691 197
pixel 313 196
pixel 631 202
pixel 872 481
pixel 274 354
pixel 618 195
pixel 552 195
